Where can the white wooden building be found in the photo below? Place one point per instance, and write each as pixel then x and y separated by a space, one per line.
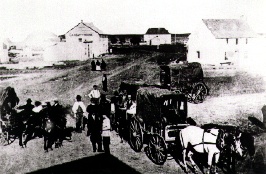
pixel 157 36
pixel 218 41
pixel 4 47
pixel 82 42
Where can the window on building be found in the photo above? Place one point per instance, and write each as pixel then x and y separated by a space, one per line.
pixel 198 53
pixel 236 41
pixel 80 39
pixel 227 40
pixel 246 40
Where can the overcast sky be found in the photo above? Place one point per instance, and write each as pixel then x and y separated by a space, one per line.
pixel 18 18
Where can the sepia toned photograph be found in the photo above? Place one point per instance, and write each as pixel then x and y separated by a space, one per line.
pixel 133 86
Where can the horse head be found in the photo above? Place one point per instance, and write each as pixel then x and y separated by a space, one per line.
pixel 244 144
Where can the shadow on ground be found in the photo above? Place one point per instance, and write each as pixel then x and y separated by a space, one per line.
pixel 101 163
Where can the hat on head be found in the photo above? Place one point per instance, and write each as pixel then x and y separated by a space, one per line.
pixel 29 100
pixel 78 97
pixel 95 86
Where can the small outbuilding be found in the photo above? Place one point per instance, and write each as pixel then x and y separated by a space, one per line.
pixel 157 36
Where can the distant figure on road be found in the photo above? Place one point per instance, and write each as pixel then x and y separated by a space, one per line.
pixel 104 83
pixel 103 65
pixel 78 109
pixel 98 65
pixel 93 65
pixel 95 94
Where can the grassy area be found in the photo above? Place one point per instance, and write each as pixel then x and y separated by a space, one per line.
pixel 240 83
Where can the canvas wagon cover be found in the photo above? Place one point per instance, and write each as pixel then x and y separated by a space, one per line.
pixel 190 70
pixel 149 104
pixel 132 86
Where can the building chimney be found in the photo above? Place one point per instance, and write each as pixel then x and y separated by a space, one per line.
pixel 81 21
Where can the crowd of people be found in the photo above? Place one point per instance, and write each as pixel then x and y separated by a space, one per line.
pixel 49 119
pixel 97 118
pixel 98 66
pixel 99 114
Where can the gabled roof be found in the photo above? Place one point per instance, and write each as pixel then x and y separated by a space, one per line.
pixel 229 28
pixel 157 31
pixel 89 25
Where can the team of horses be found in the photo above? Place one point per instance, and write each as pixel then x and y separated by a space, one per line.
pixel 216 141
pixel 49 123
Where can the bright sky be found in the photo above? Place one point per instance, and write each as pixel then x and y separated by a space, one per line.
pixel 19 18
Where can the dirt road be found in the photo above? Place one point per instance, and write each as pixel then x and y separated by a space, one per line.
pixel 77 156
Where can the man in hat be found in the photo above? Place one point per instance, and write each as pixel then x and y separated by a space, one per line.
pixel 79 109
pixel 95 94
pixel 34 123
pixel 94 126
pixel 27 109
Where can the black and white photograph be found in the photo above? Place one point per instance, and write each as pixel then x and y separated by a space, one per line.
pixel 133 86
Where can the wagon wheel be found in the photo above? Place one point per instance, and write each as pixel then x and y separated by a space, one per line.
pixel 199 93
pixel 135 135
pixel 156 150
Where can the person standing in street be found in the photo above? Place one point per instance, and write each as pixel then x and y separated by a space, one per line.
pixel 93 65
pixel 79 109
pixel 98 65
pixel 104 82
pixel 94 126
pixel 106 134
pixel 95 94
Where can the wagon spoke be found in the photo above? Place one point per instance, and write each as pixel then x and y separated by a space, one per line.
pixel 157 149
pixel 135 139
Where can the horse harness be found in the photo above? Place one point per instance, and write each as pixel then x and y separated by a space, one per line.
pixel 219 139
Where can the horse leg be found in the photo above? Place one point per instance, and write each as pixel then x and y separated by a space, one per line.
pixel 216 159
pixel 210 157
pixel 184 159
pixel 194 165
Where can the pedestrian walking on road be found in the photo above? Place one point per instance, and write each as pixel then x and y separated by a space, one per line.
pixel 95 94
pixel 104 82
pixel 94 126
pixel 106 134
pixel 93 65
pixel 98 65
pixel 79 110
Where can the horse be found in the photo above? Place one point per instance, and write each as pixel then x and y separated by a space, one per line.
pixel 212 141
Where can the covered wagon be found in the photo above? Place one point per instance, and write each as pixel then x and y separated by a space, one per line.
pixel 185 78
pixel 160 115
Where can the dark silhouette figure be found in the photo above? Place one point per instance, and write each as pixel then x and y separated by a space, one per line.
pixel 9 100
pixel 98 65
pixel 26 110
pixel 94 126
pixel 104 83
pixel 93 65
pixel 103 65
pixel 34 123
